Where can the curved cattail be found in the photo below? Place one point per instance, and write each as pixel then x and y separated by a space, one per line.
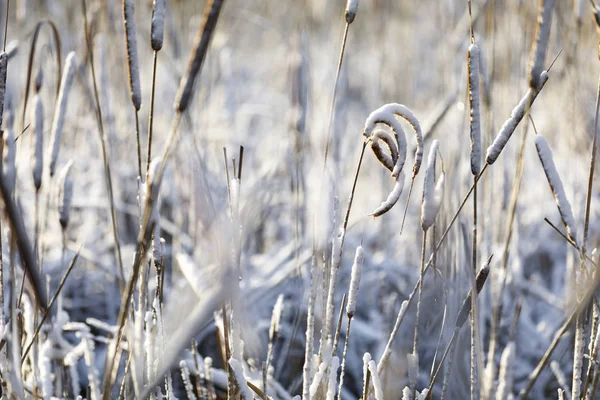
pixel 3 71
pixel 558 191
pixel 473 56
pixel 132 53
pixel 540 44
pixel 433 192
pixel 392 198
pixel 37 155
pixel 397 150
pixel 65 195
pixel 186 85
pixel 516 116
pixel 355 281
pixel 157 27
pixel 9 153
pixel 482 276
pixel 387 114
pixel 351 8
pixel 61 109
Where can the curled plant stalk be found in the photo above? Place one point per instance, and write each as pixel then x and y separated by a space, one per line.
pixel 395 160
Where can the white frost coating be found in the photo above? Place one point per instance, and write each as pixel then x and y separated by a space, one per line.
pixel 65 194
pixel 578 354
pixel 413 369
pixel 185 377
pixel 564 207
pixel 276 317
pixel 58 122
pixel 332 384
pixel 314 386
pixel 355 281
pixel 45 367
pixel 386 114
pixel 310 329
pixel 392 198
pixel 433 193
pixel 132 53
pixel 505 376
pixel 375 381
pixel 474 101
pixel 511 124
pixel 366 361
pixel 157 26
pixel 3 71
pixel 336 252
pixel 387 160
pixel 351 8
pixel 540 45
pixel 240 379
pixel 381 115
pixel 388 347
pixel 37 155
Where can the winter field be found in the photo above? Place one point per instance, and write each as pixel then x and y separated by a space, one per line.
pixel 296 199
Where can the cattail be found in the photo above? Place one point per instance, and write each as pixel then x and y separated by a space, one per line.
pixel 505 376
pixel 355 281
pixel 432 192
pixel 387 160
pixel 392 198
pixel 61 109
pixel 366 361
pixel 540 45
pixel 37 155
pixel 132 53
pixel 157 27
pixel 202 41
pixel 482 276
pixel 516 116
pixel 351 8
pixel 375 380
pixel 473 56
pixel 9 154
pixel 332 381
pixel 65 195
pixel 3 71
pixel 558 191
pixel 386 114
pixel 276 317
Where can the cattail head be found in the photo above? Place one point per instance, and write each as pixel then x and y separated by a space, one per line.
pixel 66 83
pixel 65 195
pixel 37 154
pixel 276 317
pixel 355 281
pixel 351 8
pixel 392 198
pixel 540 44
pixel 186 85
pixel 473 56
pixel 480 279
pixel 433 193
pixel 556 186
pixel 158 24
pixel 132 53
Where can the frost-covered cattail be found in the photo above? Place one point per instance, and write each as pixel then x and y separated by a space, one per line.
pixel 540 44
pixel 375 381
pixel 413 370
pixel 276 317
pixel 392 198
pixel 133 62
pixel 558 191
pixel 65 195
pixel 482 276
pixel 355 281
pixel 240 379
pixel 187 383
pixel 473 56
pixel 366 361
pixel 201 43
pixel 387 160
pixel 321 371
pixel 332 381
pixel 351 8
pixel 157 27
pixel 37 155
pixel 58 122
pixel 310 329
pixel 511 124
pixel 9 154
pixel 505 376
pixel 3 71
pixel 433 192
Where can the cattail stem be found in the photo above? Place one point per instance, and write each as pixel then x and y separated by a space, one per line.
pixel 420 292
pixel 139 147
pixel 151 118
pixel 339 326
pixel 341 385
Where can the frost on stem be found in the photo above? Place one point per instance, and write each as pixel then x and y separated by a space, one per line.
pixel 505 376
pixel 540 44
pixel 510 124
pixel 58 122
pixel 132 53
pixel 558 191
pixel 433 192
pixel 157 27
pixel 355 281
pixel 276 317
pixel 240 379
pixel 65 195
pixel 375 380
pixel 351 8
pixel 332 384
pixel 474 108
